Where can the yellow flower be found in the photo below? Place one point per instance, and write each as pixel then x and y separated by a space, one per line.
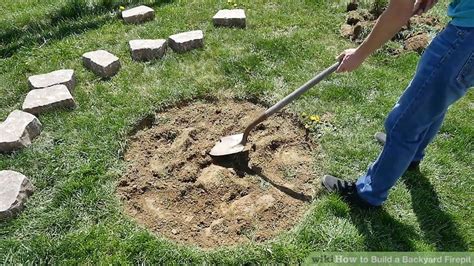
pixel 122 8
pixel 235 5
pixel 315 118
pixel 229 1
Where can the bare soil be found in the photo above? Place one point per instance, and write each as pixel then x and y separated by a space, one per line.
pixel 176 189
pixel 415 36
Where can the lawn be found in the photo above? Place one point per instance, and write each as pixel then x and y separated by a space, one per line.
pixel 75 216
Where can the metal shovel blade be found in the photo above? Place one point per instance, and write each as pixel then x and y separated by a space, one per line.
pixel 236 143
pixel 228 145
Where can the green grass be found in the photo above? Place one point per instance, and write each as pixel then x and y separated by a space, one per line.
pixel 75 216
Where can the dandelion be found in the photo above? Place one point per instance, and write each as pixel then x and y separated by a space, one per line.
pixel 315 118
pixel 122 8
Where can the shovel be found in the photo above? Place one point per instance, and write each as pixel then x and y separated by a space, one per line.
pixel 233 144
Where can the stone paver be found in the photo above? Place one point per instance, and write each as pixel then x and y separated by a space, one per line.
pixel 186 41
pixel 145 50
pixel 18 131
pixel 138 14
pixel 230 18
pixel 62 76
pixel 15 188
pixel 41 100
pixel 102 63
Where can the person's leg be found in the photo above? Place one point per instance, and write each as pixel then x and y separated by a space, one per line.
pixel 429 136
pixel 434 87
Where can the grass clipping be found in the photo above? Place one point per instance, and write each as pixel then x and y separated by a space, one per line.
pixel 173 186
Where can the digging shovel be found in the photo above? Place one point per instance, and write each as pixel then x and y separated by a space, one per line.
pixel 233 144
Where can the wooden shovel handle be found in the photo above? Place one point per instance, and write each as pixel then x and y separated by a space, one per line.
pixel 288 99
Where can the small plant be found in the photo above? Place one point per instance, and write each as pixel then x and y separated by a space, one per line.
pixel 317 125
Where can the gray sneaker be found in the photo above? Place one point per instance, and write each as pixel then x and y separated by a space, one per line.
pixel 381 138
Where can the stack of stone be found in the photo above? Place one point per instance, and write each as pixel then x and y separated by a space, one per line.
pixel 50 90
pixel 54 90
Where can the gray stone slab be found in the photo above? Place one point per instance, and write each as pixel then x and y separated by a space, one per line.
pixel 230 18
pixel 41 100
pixel 15 189
pixel 186 41
pixel 145 50
pixel 102 63
pixel 138 14
pixel 18 131
pixel 62 76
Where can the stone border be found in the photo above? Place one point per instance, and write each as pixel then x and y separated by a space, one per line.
pixel 53 89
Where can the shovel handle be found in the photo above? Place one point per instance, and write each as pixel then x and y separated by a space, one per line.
pixel 288 99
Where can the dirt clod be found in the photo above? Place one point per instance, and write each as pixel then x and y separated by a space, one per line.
pixel 417 43
pixel 415 36
pixel 173 186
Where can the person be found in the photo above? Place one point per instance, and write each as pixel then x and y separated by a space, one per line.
pixel 444 74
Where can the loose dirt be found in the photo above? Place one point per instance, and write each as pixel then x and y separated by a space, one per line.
pixel 415 36
pixel 174 187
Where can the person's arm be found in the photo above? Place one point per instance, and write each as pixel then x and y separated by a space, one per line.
pixel 390 22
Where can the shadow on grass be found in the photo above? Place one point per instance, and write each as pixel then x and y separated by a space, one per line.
pixel 437 225
pixel 384 233
pixel 381 231
pixel 76 17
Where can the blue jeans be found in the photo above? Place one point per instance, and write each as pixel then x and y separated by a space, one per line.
pixel 444 74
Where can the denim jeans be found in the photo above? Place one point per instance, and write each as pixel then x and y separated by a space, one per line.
pixel 443 75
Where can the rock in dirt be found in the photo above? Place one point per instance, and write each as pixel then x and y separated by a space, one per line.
pixel 146 50
pixel 184 139
pixel 138 14
pixel 18 131
pixel 230 18
pixel 212 176
pixel 250 206
pixel 41 100
pixel 15 188
pixel 351 32
pixel 346 30
pixel 417 43
pixel 186 41
pixel 62 76
pixel 102 63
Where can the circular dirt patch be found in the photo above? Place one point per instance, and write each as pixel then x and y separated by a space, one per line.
pixel 173 187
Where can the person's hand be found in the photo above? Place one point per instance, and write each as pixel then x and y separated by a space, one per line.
pixel 422 6
pixel 350 60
